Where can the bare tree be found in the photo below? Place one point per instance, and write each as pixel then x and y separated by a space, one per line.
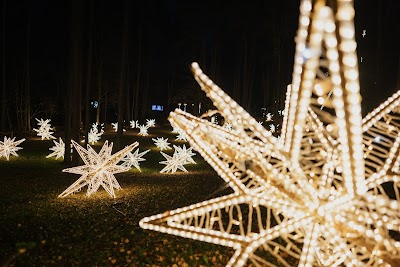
pixel 89 73
pixel 3 101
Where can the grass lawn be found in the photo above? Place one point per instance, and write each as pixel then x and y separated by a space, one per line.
pixel 39 229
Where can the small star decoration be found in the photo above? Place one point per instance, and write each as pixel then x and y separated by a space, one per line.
pixel 99 169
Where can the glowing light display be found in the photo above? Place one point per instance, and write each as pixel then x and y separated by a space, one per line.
pixel 58 149
pixel 133 159
pixel 94 135
pixel 10 147
pixel 143 130
pixel 134 124
pixel 326 193
pixel 45 129
pixel 99 169
pixel 181 156
pixel 161 143
pixel 151 123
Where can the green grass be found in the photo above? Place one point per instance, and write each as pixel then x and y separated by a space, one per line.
pixel 39 229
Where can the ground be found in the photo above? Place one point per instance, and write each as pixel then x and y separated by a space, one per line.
pixel 39 229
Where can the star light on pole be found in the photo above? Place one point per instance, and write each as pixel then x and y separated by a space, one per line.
pixel 161 143
pixel 326 193
pixel 99 169
pixel 45 129
pixel 10 147
pixel 58 149
pixel 133 159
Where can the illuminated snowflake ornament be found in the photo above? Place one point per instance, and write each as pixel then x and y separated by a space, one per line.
pixel 151 123
pixel 143 130
pixel 94 135
pixel 133 159
pixel 161 143
pixel 45 129
pixel 115 126
pixel 99 169
pixel 58 149
pixel 134 124
pixel 327 192
pixel 10 147
pixel 185 153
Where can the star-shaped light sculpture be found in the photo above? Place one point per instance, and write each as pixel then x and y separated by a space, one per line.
pixel 150 123
pixel 173 163
pixel 58 149
pixel 143 130
pixel 133 159
pixel 181 136
pixel 185 153
pixel 10 147
pixel 99 169
pixel 327 192
pixel 94 135
pixel 134 124
pixel 161 143
pixel 45 129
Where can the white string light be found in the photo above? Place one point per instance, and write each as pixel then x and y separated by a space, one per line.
pixel 10 147
pixel 327 194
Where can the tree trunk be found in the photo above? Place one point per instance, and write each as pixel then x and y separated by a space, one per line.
pixel 27 94
pixel 89 74
pixel 138 74
pixel 3 100
pixel 72 116
pixel 122 85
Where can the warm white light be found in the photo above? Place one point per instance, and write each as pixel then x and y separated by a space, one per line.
pixel 45 129
pixel 319 198
pixel 181 156
pixel 58 149
pixel 143 130
pixel 151 123
pixel 99 169
pixel 161 143
pixel 10 147
pixel 133 159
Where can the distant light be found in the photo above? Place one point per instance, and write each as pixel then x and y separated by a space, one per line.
pixel 377 139
pixel 157 107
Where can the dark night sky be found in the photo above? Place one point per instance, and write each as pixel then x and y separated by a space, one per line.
pixel 176 33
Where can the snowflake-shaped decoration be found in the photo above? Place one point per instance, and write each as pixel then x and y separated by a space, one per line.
pixel 58 149
pixel 133 159
pixel 10 147
pixel 134 124
pixel 228 126
pixel 173 163
pixel 99 169
pixel 45 129
pixel 185 153
pixel 181 136
pixel 330 202
pixel 161 143
pixel 94 135
pixel 151 123
pixel 143 130
pixel 269 117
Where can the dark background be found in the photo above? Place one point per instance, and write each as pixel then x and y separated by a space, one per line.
pixel 247 48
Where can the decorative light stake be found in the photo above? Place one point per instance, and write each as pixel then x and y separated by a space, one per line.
pixel 133 159
pixel 10 147
pixel 58 149
pixel 99 169
pixel 94 135
pixel 327 192
pixel 143 130
pixel 151 123
pixel 45 129
pixel 161 143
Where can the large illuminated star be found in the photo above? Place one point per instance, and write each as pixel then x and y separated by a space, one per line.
pixel 99 169
pixel 10 147
pixel 326 193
